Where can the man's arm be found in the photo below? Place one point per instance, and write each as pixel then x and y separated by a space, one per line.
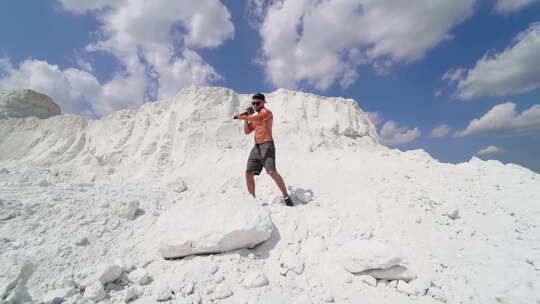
pixel 248 127
pixel 263 115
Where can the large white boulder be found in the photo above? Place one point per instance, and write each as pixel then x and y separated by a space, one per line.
pixel 211 225
pixel 18 103
pixel 362 255
pixel 397 272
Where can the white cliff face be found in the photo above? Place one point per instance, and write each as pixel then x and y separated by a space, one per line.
pixel 370 224
pixel 19 103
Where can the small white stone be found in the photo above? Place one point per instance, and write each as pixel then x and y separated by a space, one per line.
pixel 65 283
pixel 177 185
pixel 222 292
pixel 95 292
pixel 82 241
pixel 58 295
pixel 126 209
pixel 453 214
pixel 109 273
pixel 292 262
pixel 219 279
pixel 139 276
pixel 328 299
pixel 162 291
pixel 416 287
pixel 189 288
pixel 130 293
pixel 255 279
pixel 214 269
pixel 197 299
pixel 44 183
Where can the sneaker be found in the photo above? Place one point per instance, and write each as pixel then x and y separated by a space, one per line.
pixel 288 201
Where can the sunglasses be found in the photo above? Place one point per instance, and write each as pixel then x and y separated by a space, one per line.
pixel 256 103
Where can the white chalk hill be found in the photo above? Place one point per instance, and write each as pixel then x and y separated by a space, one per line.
pixel 85 199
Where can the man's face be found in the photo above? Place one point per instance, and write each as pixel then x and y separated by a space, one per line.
pixel 257 104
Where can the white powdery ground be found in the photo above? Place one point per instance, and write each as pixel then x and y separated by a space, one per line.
pixel 467 232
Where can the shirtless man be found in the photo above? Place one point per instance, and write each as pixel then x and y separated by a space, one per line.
pixel 263 153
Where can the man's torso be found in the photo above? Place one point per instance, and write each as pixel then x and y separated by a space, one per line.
pixel 263 129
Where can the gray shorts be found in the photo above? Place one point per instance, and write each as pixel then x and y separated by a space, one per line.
pixel 262 155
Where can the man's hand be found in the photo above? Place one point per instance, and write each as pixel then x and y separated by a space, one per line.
pixel 248 112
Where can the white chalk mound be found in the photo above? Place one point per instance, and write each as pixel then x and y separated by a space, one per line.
pixel 19 103
pixel 211 226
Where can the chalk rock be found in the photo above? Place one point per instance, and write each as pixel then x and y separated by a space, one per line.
pixel 452 213
pixel 126 209
pixel 416 287
pixel 197 299
pixel 104 274
pixel 362 255
pixel 328 298
pixel 189 288
pixel 255 279
pixel 139 276
pixel 65 282
pixel 211 227
pixel 126 266
pixel 19 103
pixel 393 273
pixel 162 291
pixel 95 292
pixel 131 293
pixel 109 273
pixel 291 262
pixel 222 292
pixel 58 295
pixel 219 279
pixel 302 195
pixel 214 269
pixel 15 290
pixel 82 241
pixel 177 185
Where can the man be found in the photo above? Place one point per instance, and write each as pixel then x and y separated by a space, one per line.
pixel 263 153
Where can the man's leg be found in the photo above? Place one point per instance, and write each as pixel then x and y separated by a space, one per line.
pixel 279 181
pixel 250 183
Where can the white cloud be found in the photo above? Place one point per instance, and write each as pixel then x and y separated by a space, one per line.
pixel 454 75
pixel 489 150
pixel 156 43
pixel 324 42
pixel 81 7
pixel 440 131
pixel 503 119
pixel 438 93
pixel 166 34
pixel 392 135
pixel 49 79
pixel 256 9
pixel 73 88
pixel 375 117
pixel 513 71
pixel 508 6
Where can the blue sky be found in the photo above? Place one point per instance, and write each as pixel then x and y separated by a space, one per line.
pixel 471 65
